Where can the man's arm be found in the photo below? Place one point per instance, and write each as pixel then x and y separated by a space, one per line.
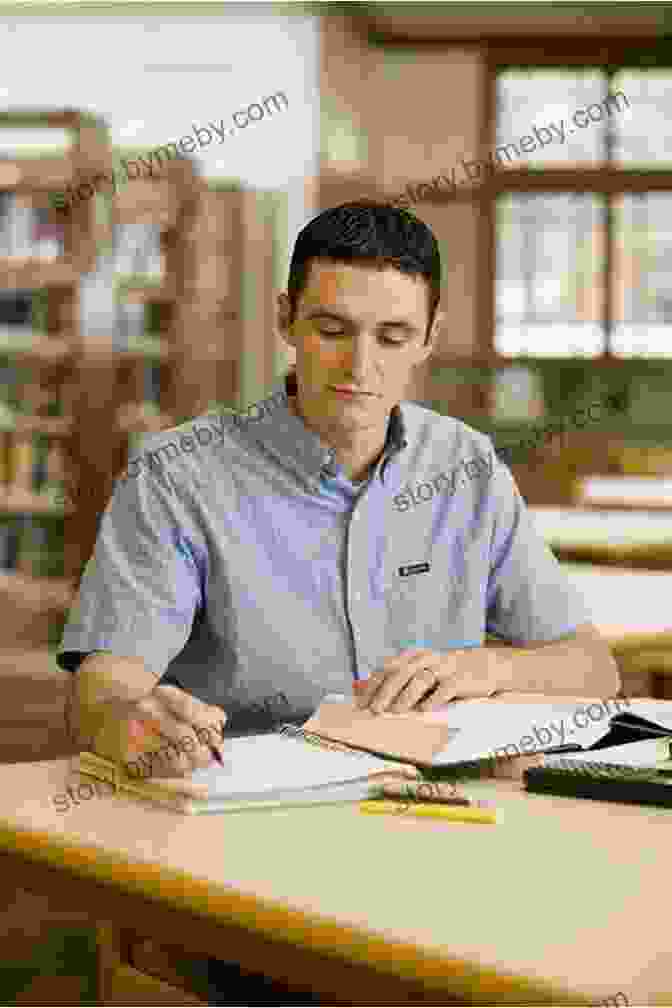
pixel 580 665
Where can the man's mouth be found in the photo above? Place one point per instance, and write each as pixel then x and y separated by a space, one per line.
pixel 346 390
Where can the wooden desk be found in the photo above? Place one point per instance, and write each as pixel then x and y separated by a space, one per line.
pixel 563 902
pixel 632 609
pixel 626 538
pixel 625 602
pixel 626 493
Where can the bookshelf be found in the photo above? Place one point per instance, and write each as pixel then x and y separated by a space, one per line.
pixel 211 313
pixel 186 272
pixel 43 254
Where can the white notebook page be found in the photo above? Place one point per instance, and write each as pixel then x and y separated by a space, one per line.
pixel 260 764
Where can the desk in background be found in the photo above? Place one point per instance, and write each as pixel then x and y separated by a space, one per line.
pixel 626 493
pixel 563 902
pixel 632 609
pixel 637 539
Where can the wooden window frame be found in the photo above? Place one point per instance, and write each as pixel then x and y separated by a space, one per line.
pixel 610 56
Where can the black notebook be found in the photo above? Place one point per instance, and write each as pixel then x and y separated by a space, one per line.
pixel 628 768
pixel 624 727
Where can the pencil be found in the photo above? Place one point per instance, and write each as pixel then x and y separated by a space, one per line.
pixel 430 811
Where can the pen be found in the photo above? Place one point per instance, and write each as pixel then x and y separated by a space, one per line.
pixel 215 752
pixel 422 809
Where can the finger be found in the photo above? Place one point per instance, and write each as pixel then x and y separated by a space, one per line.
pixel 366 689
pixel 392 666
pixel 425 669
pixel 391 690
pixel 446 691
pixel 152 718
pixel 166 739
pixel 413 694
pixel 189 708
pixel 170 755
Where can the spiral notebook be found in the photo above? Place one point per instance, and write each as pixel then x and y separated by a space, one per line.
pixel 280 769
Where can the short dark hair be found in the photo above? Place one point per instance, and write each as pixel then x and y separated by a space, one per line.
pixel 367 232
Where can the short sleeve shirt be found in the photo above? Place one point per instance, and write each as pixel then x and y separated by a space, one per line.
pixel 239 562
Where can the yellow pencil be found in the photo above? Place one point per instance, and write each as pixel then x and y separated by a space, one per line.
pixel 432 811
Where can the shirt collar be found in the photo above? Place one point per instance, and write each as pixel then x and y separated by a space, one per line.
pixel 286 437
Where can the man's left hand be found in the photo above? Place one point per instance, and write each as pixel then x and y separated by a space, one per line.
pixel 423 680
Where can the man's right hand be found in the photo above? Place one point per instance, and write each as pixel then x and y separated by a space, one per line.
pixel 167 733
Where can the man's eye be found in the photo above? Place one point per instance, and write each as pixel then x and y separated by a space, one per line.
pixel 329 332
pixel 396 342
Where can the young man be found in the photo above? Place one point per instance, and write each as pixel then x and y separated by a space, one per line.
pixel 337 535
pixel 341 535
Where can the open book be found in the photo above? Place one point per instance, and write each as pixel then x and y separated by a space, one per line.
pixel 337 755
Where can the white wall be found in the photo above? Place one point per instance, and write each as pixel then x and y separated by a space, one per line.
pixel 107 64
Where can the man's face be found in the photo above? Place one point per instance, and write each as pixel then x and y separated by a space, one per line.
pixel 361 329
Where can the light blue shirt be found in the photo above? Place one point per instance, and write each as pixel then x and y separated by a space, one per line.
pixel 240 563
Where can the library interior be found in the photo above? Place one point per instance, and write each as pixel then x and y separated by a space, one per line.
pixel 135 308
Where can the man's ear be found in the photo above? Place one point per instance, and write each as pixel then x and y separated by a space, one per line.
pixel 283 317
pixel 431 342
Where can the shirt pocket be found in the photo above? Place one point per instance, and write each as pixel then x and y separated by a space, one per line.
pixel 419 603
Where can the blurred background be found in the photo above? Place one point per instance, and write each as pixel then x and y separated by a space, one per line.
pixel 140 308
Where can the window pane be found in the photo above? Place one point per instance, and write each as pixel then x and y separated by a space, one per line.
pixel 641 132
pixel 550 291
pixel 642 269
pixel 551 109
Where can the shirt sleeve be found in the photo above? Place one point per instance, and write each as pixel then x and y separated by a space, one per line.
pixel 144 582
pixel 529 598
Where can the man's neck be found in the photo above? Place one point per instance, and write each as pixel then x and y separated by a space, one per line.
pixel 357 456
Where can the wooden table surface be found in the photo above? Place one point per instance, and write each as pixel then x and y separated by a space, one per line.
pixel 626 492
pixel 630 538
pixel 625 601
pixel 563 901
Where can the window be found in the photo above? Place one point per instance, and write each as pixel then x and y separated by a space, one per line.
pixel 583 213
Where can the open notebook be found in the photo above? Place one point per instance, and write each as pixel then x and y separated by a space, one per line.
pixel 485 729
pixel 267 770
pixel 337 754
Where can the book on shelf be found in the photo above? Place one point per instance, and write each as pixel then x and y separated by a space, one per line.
pixel 21 461
pixel 40 548
pixel 32 544
pixel 47 235
pixel 26 231
pixel 130 328
pixel 10 535
pixel 40 453
pixel 137 249
pixel 16 311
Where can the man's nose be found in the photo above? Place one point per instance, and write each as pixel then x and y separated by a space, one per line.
pixel 359 360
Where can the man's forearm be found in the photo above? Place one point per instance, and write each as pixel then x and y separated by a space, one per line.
pixel 581 665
